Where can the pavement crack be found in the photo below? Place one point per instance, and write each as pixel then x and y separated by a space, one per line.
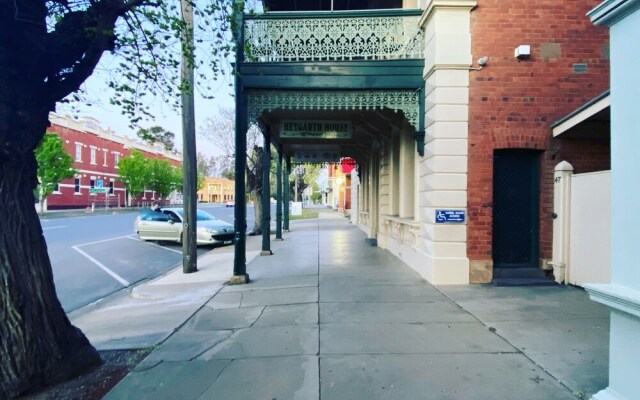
pixel 231 332
pixel 241 298
pixel 215 379
pixel 256 320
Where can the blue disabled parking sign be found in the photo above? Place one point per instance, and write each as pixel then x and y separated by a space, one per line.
pixel 99 183
pixel 450 216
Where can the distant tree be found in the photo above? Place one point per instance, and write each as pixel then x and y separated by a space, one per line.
pixel 220 130
pixel 134 173
pixel 200 180
pixel 54 165
pixel 302 176
pixel 228 174
pixel 206 165
pixel 162 177
pixel 157 134
pixel 224 167
pixel 178 182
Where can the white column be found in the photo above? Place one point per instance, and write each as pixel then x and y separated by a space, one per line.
pixel 442 172
pixel 622 295
pixel 561 219
pixel 355 198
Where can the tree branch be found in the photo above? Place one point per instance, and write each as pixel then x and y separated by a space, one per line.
pixel 78 42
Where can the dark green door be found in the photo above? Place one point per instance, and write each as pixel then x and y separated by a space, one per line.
pixel 515 208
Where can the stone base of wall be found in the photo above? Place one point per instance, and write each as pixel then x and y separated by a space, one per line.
pixel 480 271
pixel 442 271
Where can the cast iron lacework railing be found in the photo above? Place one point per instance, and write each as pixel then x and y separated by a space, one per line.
pixel 339 36
pixel 406 101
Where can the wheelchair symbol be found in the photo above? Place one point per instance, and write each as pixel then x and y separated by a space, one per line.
pixel 440 216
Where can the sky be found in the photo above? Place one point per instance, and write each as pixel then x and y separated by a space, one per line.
pixel 96 104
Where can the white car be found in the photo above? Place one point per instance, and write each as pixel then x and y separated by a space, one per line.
pixel 166 224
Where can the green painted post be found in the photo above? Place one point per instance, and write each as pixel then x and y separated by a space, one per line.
pixel 266 194
pixel 287 195
pixel 240 275
pixel 279 197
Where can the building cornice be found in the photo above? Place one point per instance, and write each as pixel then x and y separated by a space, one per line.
pixel 92 126
pixel 618 297
pixel 611 11
pixel 447 4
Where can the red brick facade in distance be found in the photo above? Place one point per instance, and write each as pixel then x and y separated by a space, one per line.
pixel 96 152
pixel 513 102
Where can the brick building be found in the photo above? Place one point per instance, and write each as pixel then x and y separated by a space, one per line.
pixel 447 106
pixel 513 103
pixel 96 152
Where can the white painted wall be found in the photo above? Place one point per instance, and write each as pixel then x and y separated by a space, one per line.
pixel 622 295
pixel 441 175
pixel 590 229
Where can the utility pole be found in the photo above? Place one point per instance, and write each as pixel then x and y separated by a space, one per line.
pixel 189 250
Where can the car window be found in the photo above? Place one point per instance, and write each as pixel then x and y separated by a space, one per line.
pixel 203 216
pixel 172 216
pixel 147 214
pixel 200 215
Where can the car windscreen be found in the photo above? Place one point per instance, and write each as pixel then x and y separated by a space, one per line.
pixel 147 214
pixel 200 215
pixel 203 216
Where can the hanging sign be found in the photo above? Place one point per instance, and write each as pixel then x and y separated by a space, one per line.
pixel 303 129
pixel 316 156
pixel 347 164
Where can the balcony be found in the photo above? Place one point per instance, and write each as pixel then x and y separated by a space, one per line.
pixel 287 37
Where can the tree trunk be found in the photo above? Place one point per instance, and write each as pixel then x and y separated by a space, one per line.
pixel 41 198
pixel 256 197
pixel 38 344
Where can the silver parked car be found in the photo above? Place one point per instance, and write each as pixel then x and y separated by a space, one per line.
pixel 166 224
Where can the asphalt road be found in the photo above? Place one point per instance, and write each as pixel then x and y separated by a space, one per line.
pixel 97 254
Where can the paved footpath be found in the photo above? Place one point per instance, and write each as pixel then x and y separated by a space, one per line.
pixel 330 317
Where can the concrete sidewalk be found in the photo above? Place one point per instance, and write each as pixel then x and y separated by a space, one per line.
pixel 330 317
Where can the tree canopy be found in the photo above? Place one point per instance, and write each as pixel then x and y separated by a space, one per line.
pixel 54 165
pixel 157 134
pixel 134 173
pixel 163 177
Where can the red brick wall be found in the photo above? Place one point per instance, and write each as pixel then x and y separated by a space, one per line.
pixel 67 198
pixel 513 103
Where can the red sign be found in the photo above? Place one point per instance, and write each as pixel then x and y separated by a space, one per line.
pixel 347 164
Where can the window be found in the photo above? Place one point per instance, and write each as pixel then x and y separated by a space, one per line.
pixel 111 187
pixel 76 185
pixel 104 157
pixel 116 158
pixel 79 152
pixel 93 155
pixel 56 188
pixel 92 182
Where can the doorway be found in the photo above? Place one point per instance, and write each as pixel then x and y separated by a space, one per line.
pixel 515 208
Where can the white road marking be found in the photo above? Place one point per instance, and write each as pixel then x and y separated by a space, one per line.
pixel 54 227
pixel 101 241
pixel 153 244
pixel 115 276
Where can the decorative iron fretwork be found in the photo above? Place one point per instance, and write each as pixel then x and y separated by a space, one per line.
pixel 406 101
pixel 331 39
